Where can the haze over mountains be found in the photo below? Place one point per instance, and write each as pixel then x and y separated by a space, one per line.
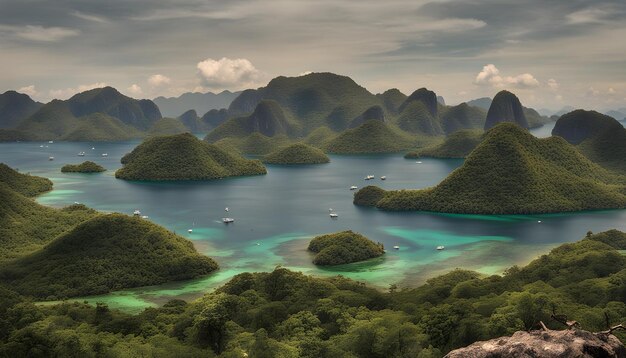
pixel 199 102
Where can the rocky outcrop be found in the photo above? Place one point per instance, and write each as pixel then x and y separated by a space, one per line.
pixel 545 344
pixel 425 96
pixel 505 107
pixel 578 125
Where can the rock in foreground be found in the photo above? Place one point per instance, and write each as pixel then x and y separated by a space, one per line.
pixel 545 344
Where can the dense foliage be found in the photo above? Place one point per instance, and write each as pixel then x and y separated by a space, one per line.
pixel 255 143
pixel 168 126
pixel 26 226
pixel 456 145
pixel 14 107
pixel 368 196
pixel 512 172
pixel 287 314
pixel 462 116
pixel 25 184
pixel 298 153
pixel 98 127
pixel 183 157
pixel 344 247
pixel 84 167
pixel 106 253
pixel 371 137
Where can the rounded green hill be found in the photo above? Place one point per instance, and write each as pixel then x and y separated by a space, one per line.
pixel 343 247
pixel 25 184
pixel 84 167
pixel 298 153
pixel 184 157
pixel 103 254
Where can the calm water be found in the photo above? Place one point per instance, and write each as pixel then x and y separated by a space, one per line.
pixel 278 213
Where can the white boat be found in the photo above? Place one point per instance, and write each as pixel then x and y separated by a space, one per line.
pixel 50 158
pixel 369 177
pixel 539 221
pixel 228 220
pixel 144 217
pixel 50 142
pixel 105 154
pixel 258 244
pixel 92 148
pixel 396 247
pixel 383 178
pixel 81 154
pixel 190 230
pixel 136 213
pixel 41 146
pixel 334 215
pixel 418 162
pixel 440 247
pixel 226 209
pixel 354 187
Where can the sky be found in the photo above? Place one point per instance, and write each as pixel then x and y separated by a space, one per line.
pixel 550 53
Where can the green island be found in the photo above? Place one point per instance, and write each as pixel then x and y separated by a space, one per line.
pixel 599 137
pixel 84 167
pixel 512 172
pixel 456 145
pixel 287 314
pixel 298 153
pixel 368 196
pixel 371 137
pixel 108 252
pixel 505 107
pixel 183 157
pixel 343 248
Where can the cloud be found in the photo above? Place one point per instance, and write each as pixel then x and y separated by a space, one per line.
pixel 228 73
pixel 39 33
pixel 490 76
pixel 158 80
pixel 69 92
pixel 588 16
pixel 29 90
pixel 304 73
pixel 90 17
pixel 134 90
pixel 553 84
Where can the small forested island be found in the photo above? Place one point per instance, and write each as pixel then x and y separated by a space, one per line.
pixel 84 167
pixel 298 153
pixel 369 196
pixel 343 248
pixel 106 253
pixel 456 145
pixel 512 172
pixel 372 136
pixel 27 185
pixel 184 157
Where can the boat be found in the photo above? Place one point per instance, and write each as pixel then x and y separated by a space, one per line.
pixel 144 217
pixel 105 154
pixel 50 142
pixel 258 244
pixel 440 247
pixel 50 158
pixel 136 213
pixel 369 177
pixel 92 148
pixel 383 178
pixel 228 220
pixel 190 230
pixel 81 154
pixel 418 162
pixel 354 187
pixel 539 221
pixel 396 247
pixel 334 215
pixel 226 209
pixel 41 146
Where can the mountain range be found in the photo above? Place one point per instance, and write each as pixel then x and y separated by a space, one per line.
pixel 199 102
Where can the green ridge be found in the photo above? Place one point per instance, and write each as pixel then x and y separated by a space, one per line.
pixel 298 153
pixel 343 248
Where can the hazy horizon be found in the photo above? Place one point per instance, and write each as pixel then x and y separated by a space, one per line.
pixel 550 54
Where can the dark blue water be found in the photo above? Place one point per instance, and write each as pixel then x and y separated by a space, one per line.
pixel 276 214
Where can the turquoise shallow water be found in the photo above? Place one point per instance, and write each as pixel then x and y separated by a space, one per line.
pixel 278 213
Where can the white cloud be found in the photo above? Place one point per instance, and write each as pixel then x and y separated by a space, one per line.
pixel 158 80
pixel 39 33
pixel 29 90
pixel 90 17
pixel 490 75
pixel 587 16
pixel 304 73
pixel 553 84
pixel 228 73
pixel 134 90
pixel 69 92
